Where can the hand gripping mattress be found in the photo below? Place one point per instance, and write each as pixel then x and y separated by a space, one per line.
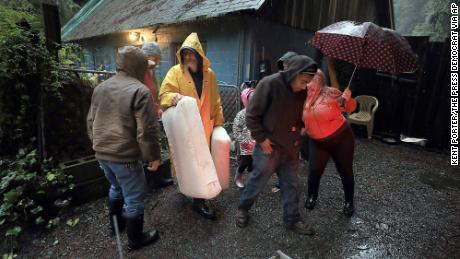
pixel 192 160
pixel 220 151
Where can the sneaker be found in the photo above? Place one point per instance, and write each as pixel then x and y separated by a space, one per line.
pixel 302 228
pixel 276 187
pixel 242 218
pixel 239 180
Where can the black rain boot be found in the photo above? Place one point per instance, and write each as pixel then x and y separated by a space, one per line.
pixel 116 209
pixel 313 188
pixel 310 203
pixel 349 191
pixel 159 181
pixel 348 209
pixel 136 237
pixel 200 207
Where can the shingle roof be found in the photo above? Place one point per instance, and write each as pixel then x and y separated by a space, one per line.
pixel 101 17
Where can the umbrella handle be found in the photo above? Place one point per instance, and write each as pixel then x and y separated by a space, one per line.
pixel 332 72
pixel 351 78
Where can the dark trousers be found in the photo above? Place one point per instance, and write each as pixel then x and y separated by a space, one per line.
pixel 286 165
pixel 340 146
pixel 245 163
pixel 304 145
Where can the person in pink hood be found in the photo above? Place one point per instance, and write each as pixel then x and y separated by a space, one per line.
pixel 244 139
pixel 330 136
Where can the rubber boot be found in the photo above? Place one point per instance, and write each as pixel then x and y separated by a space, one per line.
pixel 136 237
pixel 116 209
pixel 200 207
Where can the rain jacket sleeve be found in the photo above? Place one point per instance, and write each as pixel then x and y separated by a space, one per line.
pixel 169 88
pixel 218 112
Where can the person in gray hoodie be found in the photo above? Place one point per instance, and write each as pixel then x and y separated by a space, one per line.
pixel 283 62
pixel 274 120
pixel 123 129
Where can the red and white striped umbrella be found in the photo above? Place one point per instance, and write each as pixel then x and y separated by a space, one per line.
pixel 366 45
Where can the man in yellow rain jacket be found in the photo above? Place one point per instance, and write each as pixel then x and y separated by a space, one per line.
pixel 193 77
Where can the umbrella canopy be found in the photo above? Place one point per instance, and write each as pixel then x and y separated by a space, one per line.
pixel 366 45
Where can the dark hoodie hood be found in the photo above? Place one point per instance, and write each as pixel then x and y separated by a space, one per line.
pixel 288 55
pixel 133 61
pixel 297 64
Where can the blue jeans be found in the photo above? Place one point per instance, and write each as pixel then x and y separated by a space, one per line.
pixel 127 181
pixel 264 165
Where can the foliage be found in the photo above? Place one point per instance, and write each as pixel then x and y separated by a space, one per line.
pixel 69 54
pixel 437 20
pixel 30 81
pixel 423 18
pixel 22 11
pixel 67 8
pixel 29 198
pixel 9 256
pixel 72 223
pixel 21 50
pixel 72 56
pixel 405 16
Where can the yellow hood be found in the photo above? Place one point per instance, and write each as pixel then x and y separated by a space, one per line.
pixel 193 42
pixel 178 80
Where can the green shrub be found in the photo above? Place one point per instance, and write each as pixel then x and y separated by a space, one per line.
pixel 30 81
pixel 28 197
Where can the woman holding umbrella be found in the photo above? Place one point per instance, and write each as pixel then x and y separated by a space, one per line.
pixel 364 45
pixel 330 136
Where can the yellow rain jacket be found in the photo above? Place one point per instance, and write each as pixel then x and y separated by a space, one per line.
pixel 179 80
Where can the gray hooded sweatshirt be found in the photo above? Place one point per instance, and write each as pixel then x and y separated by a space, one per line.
pixel 275 111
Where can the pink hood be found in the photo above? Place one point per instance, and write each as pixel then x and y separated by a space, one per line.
pixel 245 96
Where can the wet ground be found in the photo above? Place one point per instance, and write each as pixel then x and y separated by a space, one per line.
pixel 407 206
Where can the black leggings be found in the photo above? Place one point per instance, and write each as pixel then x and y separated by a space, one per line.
pixel 341 147
pixel 245 162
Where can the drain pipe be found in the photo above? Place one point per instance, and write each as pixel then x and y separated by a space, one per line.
pixel 241 68
pixel 242 42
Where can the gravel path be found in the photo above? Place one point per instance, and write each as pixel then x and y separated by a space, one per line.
pixel 407 206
